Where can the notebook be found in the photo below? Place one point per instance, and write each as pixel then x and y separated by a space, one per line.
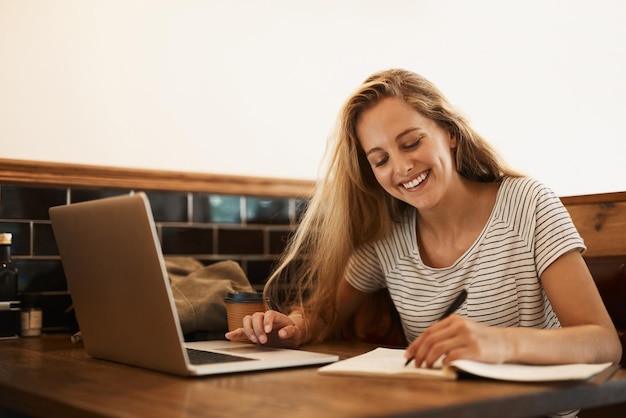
pixel 123 301
pixel 390 362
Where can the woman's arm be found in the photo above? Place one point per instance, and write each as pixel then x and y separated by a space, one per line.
pixel 587 334
pixel 297 328
pixel 348 300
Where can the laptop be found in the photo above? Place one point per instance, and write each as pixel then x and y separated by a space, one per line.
pixel 123 301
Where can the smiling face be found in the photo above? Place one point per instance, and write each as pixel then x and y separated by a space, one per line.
pixel 410 155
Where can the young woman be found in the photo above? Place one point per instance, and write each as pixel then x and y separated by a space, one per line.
pixel 415 201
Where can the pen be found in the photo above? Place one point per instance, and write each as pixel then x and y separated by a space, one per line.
pixel 456 304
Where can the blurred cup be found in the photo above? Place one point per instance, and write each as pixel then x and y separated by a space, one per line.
pixel 239 305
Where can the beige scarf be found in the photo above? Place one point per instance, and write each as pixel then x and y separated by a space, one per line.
pixel 199 291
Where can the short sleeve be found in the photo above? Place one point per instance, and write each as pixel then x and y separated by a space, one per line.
pixel 364 271
pixel 555 233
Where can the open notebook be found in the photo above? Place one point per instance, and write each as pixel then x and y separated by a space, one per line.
pixel 390 362
pixel 124 305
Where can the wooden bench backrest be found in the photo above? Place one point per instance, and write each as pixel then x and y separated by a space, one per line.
pixel 601 220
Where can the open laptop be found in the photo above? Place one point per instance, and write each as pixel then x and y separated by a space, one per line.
pixel 124 305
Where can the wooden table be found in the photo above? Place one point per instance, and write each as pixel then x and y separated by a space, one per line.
pixel 50 377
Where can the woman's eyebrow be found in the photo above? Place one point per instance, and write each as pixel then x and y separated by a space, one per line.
pixel 406 132
pixel 373 150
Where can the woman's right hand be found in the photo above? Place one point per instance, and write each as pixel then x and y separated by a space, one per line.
pixel 271 328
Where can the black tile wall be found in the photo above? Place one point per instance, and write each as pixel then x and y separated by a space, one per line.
pixel 240 241
pixel 257 271
pixel 219 209
pixel 186 240
pixel 85 194
pixel 37 276
pixel 210 227
pixel 168 206
pixel 23 202
pixel 267 211
pixel 43 240
pixel 278 240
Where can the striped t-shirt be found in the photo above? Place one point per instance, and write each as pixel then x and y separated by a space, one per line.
pixel 528 229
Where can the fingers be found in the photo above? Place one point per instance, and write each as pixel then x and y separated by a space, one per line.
pixel 456 337
pixel 438 341
pixel 237 334
pixel 257 326
pixel 270 327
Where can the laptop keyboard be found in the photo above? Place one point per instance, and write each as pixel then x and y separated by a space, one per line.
pixel 209 357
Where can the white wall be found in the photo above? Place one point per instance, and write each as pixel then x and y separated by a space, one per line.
pixel 253 87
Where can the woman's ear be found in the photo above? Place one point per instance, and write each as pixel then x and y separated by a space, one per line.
pixel 453 140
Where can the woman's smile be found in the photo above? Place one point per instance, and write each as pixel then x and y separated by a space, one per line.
pixel 413 184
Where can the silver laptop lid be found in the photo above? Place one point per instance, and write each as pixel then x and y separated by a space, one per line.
pixel 111 256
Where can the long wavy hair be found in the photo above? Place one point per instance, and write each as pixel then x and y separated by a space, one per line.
pixel 350 208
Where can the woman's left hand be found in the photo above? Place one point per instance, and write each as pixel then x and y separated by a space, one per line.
pixel 456 337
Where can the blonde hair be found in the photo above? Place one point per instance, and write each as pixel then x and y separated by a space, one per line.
pixel 349 207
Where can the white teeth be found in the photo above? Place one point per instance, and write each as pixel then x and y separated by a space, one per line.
pixel 415 182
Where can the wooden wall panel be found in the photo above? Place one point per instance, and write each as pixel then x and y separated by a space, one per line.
pixel 602 226
pixel 38 172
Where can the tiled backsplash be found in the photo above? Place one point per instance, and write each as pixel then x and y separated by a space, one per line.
pixel 251 230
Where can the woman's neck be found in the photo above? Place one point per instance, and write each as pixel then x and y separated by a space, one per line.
pixel 446 231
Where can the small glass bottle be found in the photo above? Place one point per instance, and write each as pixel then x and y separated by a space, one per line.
pixel 9 302
pixel 31 316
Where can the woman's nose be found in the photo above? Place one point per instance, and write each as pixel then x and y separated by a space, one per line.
pixel 403 166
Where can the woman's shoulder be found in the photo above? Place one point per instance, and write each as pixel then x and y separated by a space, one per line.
pixel 520 182
pixel 524 188
pixel 524 197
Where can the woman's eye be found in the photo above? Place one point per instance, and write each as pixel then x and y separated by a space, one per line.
pixel 380 162
pixel 412 144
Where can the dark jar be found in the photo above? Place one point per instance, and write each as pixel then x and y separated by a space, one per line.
pixel 9 301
